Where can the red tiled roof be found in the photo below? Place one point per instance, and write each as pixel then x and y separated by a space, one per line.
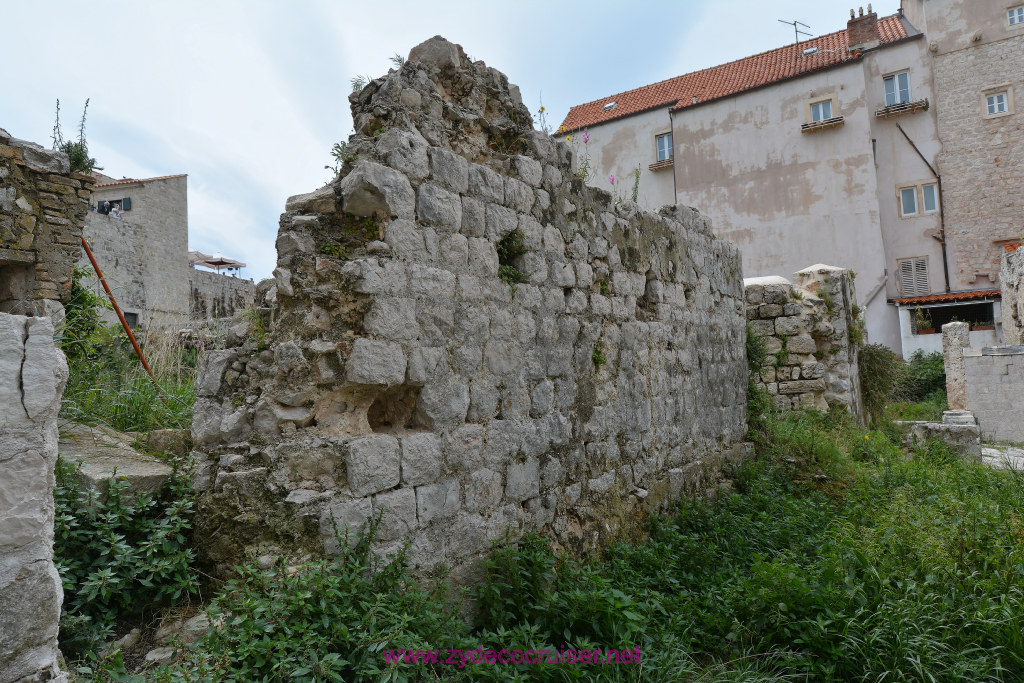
pixel 1011 246
pixel 732 78
pixel 128 181
pixel 941 298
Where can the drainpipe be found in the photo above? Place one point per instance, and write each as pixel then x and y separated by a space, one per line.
pixel 672 129
pixel 942 205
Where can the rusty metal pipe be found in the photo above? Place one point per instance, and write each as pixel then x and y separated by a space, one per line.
pixel 120 316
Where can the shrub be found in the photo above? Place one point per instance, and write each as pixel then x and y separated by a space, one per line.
pixel 328 620
pixel 118 555
pixel 880 370
pixel 924 374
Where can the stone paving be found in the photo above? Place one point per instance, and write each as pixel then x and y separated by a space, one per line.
pixel 1003 456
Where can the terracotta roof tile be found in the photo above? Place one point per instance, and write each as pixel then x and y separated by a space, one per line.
pixel 729 79
pixel 128 181
pixel 941 298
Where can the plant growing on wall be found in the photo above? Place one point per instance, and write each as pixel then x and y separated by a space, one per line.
pixel 77 150
pixel 509 249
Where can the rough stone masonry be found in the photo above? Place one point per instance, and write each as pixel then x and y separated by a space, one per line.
pixel 394 371
pixel 32 377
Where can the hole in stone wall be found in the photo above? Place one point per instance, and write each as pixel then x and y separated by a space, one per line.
pixel 394 409
pixel 15 287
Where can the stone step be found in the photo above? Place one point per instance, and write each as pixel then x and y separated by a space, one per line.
pixel 102 452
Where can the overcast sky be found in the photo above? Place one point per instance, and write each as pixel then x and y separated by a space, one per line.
pixel 247 96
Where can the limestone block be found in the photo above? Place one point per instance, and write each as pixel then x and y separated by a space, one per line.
pixel 449 169
pixel 787 326
pixel 499 221
pixel 483 490
pixel 445 403
pixel 801 386
pixel 421 459
pixel 371 187
pixel 485 184
pixel 523 480
pixel 436 53
pixel 376 362
pixel 373 464
pixel 392 318
pixel 211 370
pixel 529 170
pixel 964 439
pixel 518 195
pixel 431 282
pixel 800 343
pixel 437 501
pixel 439 207
pixel 473 217
pixel 405 151
pixel 397 510
pixel 344 518
pixel 319 201
pixel 768 311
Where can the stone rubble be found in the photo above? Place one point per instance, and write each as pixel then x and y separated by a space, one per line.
pixel 809 331
pixel 394 373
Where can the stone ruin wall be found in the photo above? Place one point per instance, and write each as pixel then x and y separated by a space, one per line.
pixel 806 325
pixel 1011 279
pixel 32 377
pixel 393 372
pixel 213 295
pixel 42 213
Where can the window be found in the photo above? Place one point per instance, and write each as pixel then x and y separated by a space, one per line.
pixel 897 88
pixel 913 276
pixel 996 103
pixel 930 198
pixel 664 146
pixel 1016 15
pixel 908 201
pixel 132 319
pixel 821 111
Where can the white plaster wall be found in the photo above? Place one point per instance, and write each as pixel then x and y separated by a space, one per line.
pixel 618 147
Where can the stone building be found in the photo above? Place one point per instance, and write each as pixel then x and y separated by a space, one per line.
pixel 42 214
pixel 465 340
pixel 842 149
pixel 143 253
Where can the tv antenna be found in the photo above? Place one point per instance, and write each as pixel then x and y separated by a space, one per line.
pixel 797 31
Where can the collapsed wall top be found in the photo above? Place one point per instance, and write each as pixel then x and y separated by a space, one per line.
pixel 463 338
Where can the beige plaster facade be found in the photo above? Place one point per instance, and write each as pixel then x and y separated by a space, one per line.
pixel 788 197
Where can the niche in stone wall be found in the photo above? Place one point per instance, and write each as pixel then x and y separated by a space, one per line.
pixel 361 409
pixel 15 286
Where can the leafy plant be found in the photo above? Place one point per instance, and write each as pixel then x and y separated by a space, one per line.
pixel 118 554
pixel 341 157
pixel 332 248
pixel 258 333
pixel 924 374
pixel 603 287
pixel 77 150
pixel 510 249
pixel 782 355
pixel 880 370
pixel 598 357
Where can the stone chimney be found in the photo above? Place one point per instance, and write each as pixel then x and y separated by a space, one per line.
pixel 862 30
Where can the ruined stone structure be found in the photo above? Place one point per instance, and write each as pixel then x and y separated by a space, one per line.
pixel 984 385
pixel 807 328
pixel 32 377
pixel 1011 279
pixel 212 295
pixel 400 369
pixel 42 211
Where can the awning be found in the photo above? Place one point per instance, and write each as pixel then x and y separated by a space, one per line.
pixel 952 297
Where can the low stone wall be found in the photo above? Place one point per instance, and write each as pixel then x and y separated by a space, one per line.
pixel 995 382
pixel 212 295
pixel 42 211
pixel 807 326
pixel 1011 280
pixel 396 372
pixel 32 377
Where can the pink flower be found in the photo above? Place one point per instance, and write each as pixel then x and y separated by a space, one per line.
pixel 586 136
pixel 611 179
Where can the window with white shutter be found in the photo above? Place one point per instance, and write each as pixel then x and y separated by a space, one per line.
pixel 914 276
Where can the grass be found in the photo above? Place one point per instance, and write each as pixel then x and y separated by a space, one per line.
pixel 837 556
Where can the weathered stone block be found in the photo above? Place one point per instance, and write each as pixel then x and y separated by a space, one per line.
pixel 523 480
pixel 439 207
pixel 397 510
pixel 372 188
pixel 801 386
pixel 373 464
pixel 376 362
pixel 421 459
pixel 483 490
pixel 437 501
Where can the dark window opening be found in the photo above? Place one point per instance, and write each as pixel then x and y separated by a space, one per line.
pixel 395 410
pixel 978 316
pixel 132 319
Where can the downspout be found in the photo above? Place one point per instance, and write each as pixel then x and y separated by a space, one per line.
pixel 672 129
pixel 942 205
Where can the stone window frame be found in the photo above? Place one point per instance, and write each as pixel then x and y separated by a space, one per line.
pixel 657 147
pixel 1017 10
pixel 894 76
pixel 918 188
pixel 832 98
pixel 1001 89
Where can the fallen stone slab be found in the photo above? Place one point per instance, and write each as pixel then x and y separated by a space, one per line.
pixel 101 453
pixel 1003 457
pixel 965 439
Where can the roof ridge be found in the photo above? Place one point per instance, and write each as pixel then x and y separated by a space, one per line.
pixel 727 69
pixel 128 181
